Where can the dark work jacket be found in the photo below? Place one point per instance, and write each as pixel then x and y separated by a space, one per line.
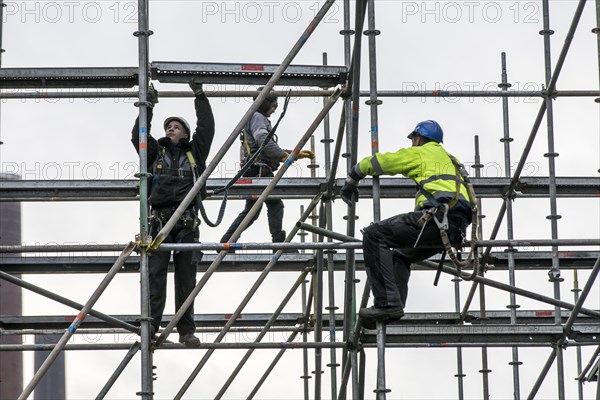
pixel 168 187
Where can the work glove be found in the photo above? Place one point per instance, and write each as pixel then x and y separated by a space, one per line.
pixel 152 95
pixel 349 193
pixel 306 154
pixel 196 87
pixel 184 145
pixel 284 157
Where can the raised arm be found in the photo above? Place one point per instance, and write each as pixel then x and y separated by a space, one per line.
pixel 205 124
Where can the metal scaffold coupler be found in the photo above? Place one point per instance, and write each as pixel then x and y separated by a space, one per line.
pixel 143 33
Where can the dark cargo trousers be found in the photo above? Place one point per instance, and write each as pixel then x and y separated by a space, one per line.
pixel 274 216
pixel 388 252
pixel 185 279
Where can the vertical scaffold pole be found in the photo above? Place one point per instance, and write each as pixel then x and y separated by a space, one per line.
pixel 345 124
pixel 506 140
pixel 485 370
pixel 143 34
pixel 576 292
pixel 331 307
pixel 373 103
pixel 305 376
pixel 352 141
pixel 460 375
pixel 318 290
pixel 554 273
pixel 596 31
pixel 381 390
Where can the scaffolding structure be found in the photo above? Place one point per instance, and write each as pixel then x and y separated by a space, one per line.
pixel 568 327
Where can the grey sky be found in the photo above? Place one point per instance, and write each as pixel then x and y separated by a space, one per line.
pixel 431 45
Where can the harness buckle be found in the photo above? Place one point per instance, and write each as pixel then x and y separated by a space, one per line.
pixel 443 223
pixel 180 172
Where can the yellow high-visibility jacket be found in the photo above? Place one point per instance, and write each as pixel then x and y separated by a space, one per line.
pixel 429 165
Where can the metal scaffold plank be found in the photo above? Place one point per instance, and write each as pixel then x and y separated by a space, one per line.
pixel 527 318
pixel 169 72
pixel 440 335
pixel 254 262
pixel 249 74
pixel 299 188
pixel 64 78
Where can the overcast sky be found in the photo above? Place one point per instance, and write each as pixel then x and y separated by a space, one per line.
pixel 433 45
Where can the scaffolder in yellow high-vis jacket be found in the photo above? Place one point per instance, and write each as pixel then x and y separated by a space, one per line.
pixel 392 245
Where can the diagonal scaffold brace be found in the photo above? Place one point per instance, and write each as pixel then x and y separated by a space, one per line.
pixel 245 301
pixel 77 321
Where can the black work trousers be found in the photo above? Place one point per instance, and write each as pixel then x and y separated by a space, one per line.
pixel 274 216
pixel 388 252
pixel 185 278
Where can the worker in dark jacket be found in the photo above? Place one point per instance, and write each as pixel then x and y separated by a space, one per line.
pixel 392 245
pixel 253 137
pixel 175 162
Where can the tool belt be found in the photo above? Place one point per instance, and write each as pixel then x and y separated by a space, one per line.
pixel 177 172
pixel 189 217
pixel 259 168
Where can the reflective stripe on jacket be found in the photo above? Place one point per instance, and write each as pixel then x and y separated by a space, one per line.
pixel 429 165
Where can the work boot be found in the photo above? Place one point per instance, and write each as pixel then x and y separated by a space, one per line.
pixel 384 314
pixel 189 340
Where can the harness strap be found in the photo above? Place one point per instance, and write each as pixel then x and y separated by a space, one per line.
pixel 191 159
pixel 254 156
pixel 248 150
pixel 472 258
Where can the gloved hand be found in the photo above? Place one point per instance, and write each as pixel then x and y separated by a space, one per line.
pixel 152 95
pixel 306 154
pixel 196 87
pixel 284 157
pixel 349 193
pixel 184 145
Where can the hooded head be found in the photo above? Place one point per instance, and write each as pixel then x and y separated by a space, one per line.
pixel 269 105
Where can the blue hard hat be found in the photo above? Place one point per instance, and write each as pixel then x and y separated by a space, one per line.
pixel 429 129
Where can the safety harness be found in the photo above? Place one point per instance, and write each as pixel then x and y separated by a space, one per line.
pixel 461 176
pixel 188 218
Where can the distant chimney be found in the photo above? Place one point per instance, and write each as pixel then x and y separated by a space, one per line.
pixel 11 362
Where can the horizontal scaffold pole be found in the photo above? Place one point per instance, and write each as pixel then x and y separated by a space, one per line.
pixel 16 94
pixel 280 345
pixel 355 244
